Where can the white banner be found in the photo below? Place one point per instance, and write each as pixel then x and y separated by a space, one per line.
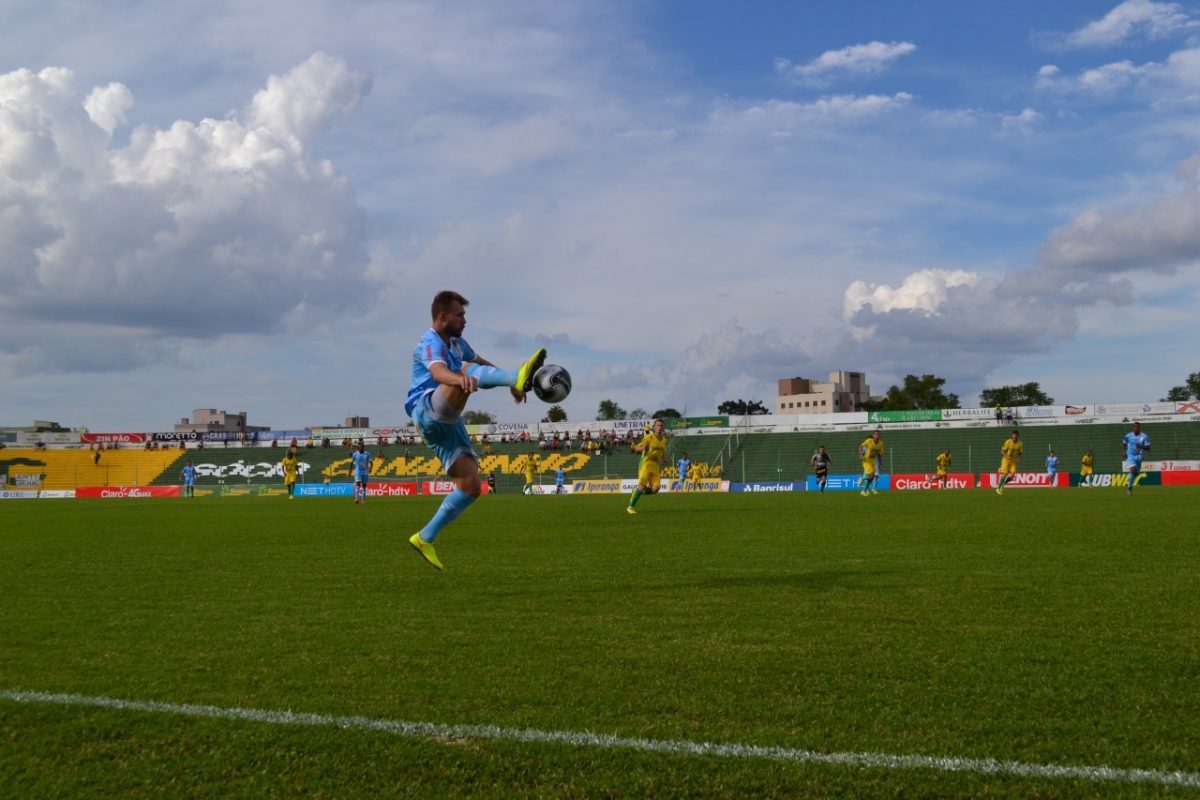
pixel 1126 409
pixel 1171 466
pixel 1190 407
pixel 56 494
pixel 18 494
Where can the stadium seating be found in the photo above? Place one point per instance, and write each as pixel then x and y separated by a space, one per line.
pixel 785 456
pixel 69 469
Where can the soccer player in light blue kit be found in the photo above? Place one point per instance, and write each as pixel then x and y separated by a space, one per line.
pixel 445 372
pixel 1052 466
pixel 362 471
pixel 189 480
pixel 684 465
pixel 1135 444
pixel 560 475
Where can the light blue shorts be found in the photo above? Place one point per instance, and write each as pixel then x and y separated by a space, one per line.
pixel 361 477
pixel 447 438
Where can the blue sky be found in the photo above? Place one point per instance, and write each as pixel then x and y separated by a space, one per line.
pixel 249 206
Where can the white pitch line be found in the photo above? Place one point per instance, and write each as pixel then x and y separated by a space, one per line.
pixel 980 766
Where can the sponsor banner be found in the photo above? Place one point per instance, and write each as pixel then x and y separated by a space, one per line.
pixel 696 422
pixel 284 437
pixel 1075 411
pixel 337 434
pixel 912 482
pixel 1036 412
pixel 605 486
pixel 915 415
pixel 244 490
pixel 18 494
pixel 787 486
pixel 438 487
pixel 113 438
pixel 55 494
pixel 394 489
pixel 324 490
pixel 1117 480
pixel 1126 409
pixel 969 413
pixel 1190 407
pixel 1171 466
pixel 1026 480
pixel 47 437
pixel 241 469
pixel 697 485
pixel 8 437
pixel 846 483
pixel 174 436
pixel 1085 420
pixel 501 428
pixel 1180 478
pixel 129 492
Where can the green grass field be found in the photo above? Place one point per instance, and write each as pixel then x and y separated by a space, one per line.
pixel 1058 627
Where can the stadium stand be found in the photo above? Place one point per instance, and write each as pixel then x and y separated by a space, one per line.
pixel 70 469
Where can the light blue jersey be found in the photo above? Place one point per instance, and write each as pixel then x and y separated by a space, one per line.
pixel 189 475
pixel 431 349
pixel 1052 464
pixel 1133 447
pixel 559 476
pixel 362 465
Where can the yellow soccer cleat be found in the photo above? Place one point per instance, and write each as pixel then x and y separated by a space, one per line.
pixel 426 550
pixel 527 370
pixel 630 510
pixel 1000 490
pixel 874 490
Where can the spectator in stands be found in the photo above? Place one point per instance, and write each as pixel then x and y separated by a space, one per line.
pixel 1009 417
pixel 274 443
pixel 999 415
pixel 96 457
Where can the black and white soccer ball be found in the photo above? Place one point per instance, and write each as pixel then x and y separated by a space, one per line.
pixel 552 383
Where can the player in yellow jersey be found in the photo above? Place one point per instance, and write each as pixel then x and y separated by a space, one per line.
pixel 290 467
pixel 531 465
pixel 1085 466
pixel 943 467
pixel 870 451
pixel 652 447
pixel 1010 458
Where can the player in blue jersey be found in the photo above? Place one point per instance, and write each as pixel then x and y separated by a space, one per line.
pixel 446 371
pixel 362 471
pixel 1134 444
pixel 1052 466
pixel 684 465
pixel 189 480
pixel 560 475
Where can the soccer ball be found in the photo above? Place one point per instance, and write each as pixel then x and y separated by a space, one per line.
pixel 552 384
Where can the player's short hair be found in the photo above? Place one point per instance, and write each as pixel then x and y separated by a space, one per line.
pixel 444 300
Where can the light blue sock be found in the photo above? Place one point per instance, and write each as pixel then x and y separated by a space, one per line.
pixel 491 377
pixel 455 503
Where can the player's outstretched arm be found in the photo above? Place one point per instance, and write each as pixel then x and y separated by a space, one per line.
pixel 448 377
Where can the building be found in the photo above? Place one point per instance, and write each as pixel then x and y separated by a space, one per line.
pixel 844 391
pixel 209 420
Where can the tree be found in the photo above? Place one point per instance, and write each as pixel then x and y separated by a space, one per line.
pixel 1189 391
pixel 639 413
pixel 555 414
pixel 478 418
pixel 666 413
pixel 1025 394
pixel 923 392
pixel 742 407
pixel 609 410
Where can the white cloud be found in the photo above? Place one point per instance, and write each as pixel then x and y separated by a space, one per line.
pixel 195 230
pixel 782 117
pixel 857 60
pixel 1161 236
pixel 1105 80
pixel 1132 20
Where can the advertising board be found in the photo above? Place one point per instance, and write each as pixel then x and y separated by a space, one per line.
pixel 915 415
pixel 394 489
pixel 846 483
pixel 913 482
pixel 1171 466
pixel 55 494
pixel 1115 480
pixel 969 413
pixel 112 438
pixel 1180 478
pixel 1026 480
pixel 18 494
pixel 324 490
pixel 127 492
pixel 785 486
pixel 440 487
